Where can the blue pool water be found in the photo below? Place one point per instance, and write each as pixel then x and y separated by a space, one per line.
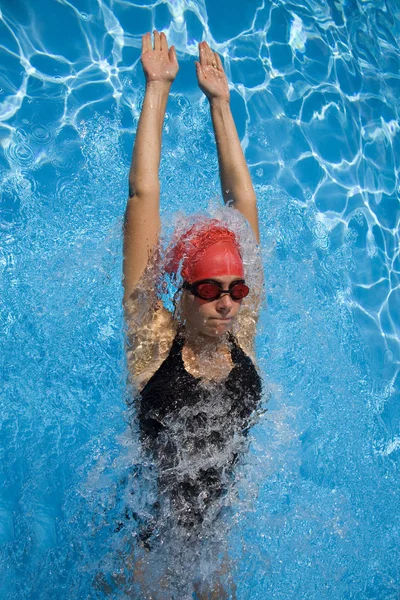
pixel 315 94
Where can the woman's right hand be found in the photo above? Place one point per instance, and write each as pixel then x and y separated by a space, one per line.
pixel 159 63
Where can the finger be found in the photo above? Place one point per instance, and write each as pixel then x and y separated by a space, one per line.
pixel 202 54
pixel 157 43
pixel 218 61
pixel 163 42
pixel 210 56
pixel 199 72
pixel 146 42
pixel 205 52
pixel 172 54
pixel 200 51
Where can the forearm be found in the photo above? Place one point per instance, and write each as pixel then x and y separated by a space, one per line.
pixel 235 177
pixel 143 175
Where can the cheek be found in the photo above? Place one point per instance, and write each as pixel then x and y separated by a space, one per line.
pixel 199 303
pixel 236 307
pixel 194 309
pixel 201 308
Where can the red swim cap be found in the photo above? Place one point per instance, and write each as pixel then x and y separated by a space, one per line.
pixel 205 251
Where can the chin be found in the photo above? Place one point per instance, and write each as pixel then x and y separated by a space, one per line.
pixel 217 330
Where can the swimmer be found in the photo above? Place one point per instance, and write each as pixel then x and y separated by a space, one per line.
pixel 189 427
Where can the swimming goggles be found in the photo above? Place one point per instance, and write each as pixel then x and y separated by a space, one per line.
pixel 209 289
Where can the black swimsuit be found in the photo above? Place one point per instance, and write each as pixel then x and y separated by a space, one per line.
pixel 194 431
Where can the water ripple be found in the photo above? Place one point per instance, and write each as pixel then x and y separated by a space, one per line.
pixel 20 154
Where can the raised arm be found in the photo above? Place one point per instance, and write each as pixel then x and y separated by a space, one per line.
pixel 142 216
pixel 235 177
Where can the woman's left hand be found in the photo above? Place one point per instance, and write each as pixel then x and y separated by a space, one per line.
pixel 211 75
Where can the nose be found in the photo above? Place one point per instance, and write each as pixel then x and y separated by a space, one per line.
pixel 224 303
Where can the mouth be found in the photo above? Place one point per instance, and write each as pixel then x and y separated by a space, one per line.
pixel 222 320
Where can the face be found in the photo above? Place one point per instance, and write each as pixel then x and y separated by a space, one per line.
pixel 212 318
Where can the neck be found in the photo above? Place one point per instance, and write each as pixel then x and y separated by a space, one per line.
pixel 203 344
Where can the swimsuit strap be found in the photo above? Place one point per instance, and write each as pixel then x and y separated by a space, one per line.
pixel 232 338
pixel 175 353
pixel 236 351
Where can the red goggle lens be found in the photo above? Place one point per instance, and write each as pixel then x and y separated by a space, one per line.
pixel 208 291
pixel 239 291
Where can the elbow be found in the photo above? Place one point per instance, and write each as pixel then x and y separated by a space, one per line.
pixel 244 201
pixel 143 189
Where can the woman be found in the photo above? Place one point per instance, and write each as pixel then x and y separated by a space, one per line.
pixel 197 382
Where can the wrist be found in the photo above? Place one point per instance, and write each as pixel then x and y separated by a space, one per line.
pixel 220 103
pixel 158 85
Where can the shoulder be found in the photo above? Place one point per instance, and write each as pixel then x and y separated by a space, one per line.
pixel 150 334
pixel 245 331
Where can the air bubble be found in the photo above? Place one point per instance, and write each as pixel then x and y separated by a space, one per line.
pixel 41 134
pixel 320 231
pixel 183 102
pixel 64 190
pixel 388 358
pixel 26 186
pixel 68 154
